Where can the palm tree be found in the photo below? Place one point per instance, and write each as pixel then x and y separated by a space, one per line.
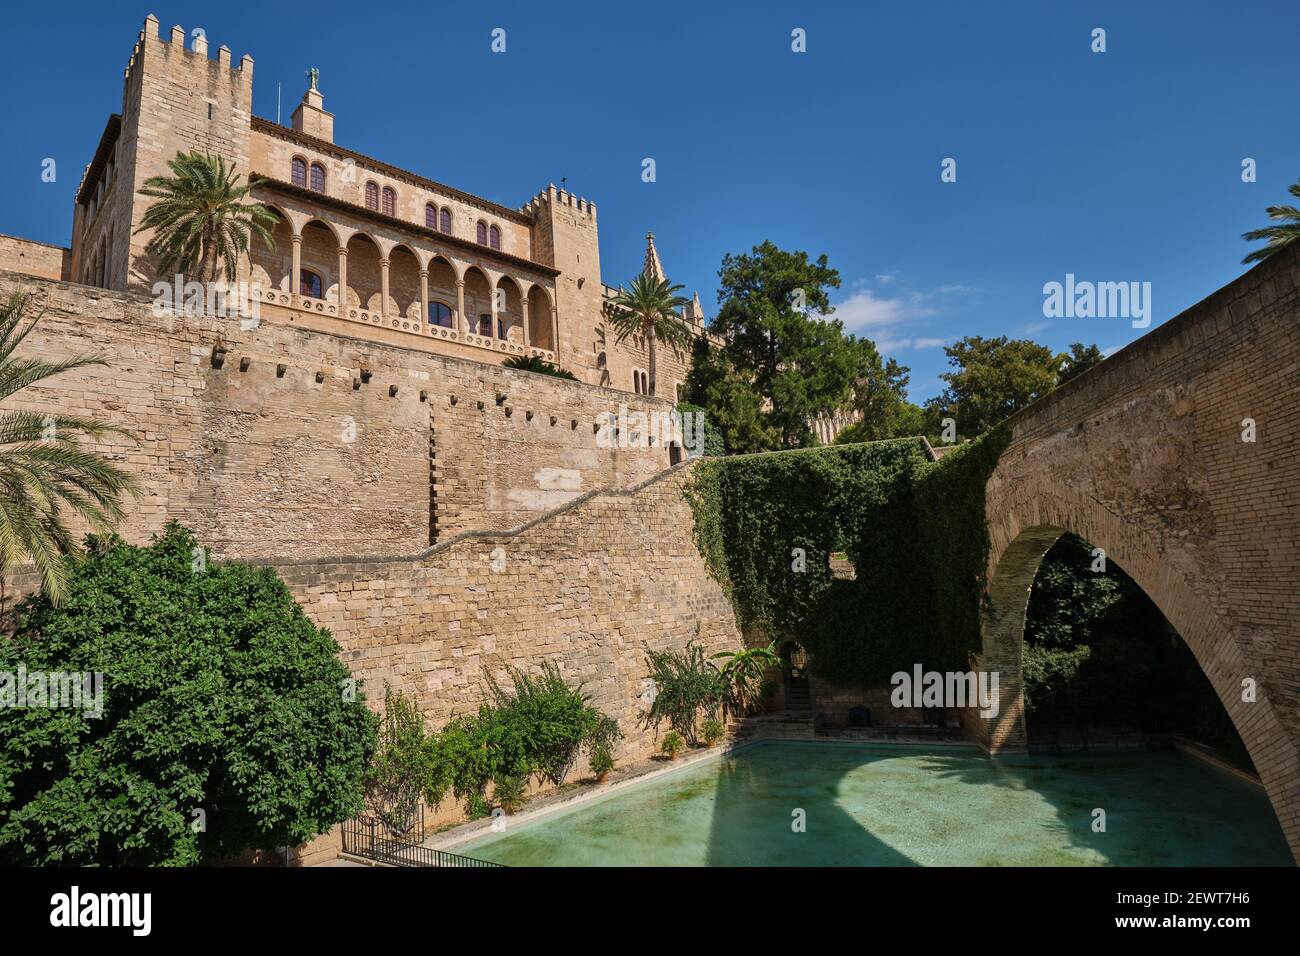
pixel 200 219
pixel 742 676
pixel 649 307
pixel 1279 237
pixel 42 468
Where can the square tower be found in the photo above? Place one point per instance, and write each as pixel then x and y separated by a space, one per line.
pixel 173 100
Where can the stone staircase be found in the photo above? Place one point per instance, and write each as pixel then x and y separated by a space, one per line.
pixel 783 725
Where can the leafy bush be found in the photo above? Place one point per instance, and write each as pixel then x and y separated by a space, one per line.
pixel 543 722
pixel 712 731
pixel 602 760
pixel 672 743
pixel 537 727
pixel 402 769
pixel 220 696
pixel 686 686
pixel 510 792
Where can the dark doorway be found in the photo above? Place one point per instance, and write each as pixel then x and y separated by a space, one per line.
pixel 794 669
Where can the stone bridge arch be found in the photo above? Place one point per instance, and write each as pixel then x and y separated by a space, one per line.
pixel 1148 456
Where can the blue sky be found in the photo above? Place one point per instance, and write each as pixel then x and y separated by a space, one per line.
pixel 1118 166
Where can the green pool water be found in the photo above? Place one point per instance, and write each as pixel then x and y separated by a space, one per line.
pixel 893 806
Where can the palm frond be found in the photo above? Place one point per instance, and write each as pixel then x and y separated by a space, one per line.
pixel 45 474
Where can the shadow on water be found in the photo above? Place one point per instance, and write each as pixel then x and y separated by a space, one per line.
pixel 765 792
pixel 878 806
pixel 864 805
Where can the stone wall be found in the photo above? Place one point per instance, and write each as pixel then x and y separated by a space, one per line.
pixel 1145 457
pixel 34 258
pixel 304 443
pixel 591 587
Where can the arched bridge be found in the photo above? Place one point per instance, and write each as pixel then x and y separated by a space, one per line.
pixel 1179 457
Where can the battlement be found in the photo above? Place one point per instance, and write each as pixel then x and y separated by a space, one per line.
pixel 198 50
pixel 552 196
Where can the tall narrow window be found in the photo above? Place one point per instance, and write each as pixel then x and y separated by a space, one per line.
pixel 444 220
pixel 298 172
pixel 390 201
pixel 430 215
pixel 372 196
pixel 317 178
pixel 494 237
pixel 481 233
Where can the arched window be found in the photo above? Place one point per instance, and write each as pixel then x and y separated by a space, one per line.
pixel 494 237
pixel 390 201
pixel 481 233
pixel 430 215
pixel 372 196
pixel 439 314
pixel 317 178
pixel 298 172
pixel 444 220
pixel 309 284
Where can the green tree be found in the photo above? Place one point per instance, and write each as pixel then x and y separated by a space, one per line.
pixel 732 405
pixel 200 218
pixel 994 378
pixel 1079 359
pixel 799 365
pixel 648 307
pixel 1279 236
pixel 880 397
pixel 43 470
pixel 227 720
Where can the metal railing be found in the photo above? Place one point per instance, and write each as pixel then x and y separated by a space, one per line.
pixel 370 839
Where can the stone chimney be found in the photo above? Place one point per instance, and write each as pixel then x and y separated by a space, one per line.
pixel 310 116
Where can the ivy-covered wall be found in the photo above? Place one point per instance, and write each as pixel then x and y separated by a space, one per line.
pixel 914 529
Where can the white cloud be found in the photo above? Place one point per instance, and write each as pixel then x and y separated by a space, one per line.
pixel 886 319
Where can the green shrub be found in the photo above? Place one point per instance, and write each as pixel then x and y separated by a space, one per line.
pixel 402 770
pixel 672 743
pixel 510 793
pixel 686 687
pixel 220 696
pixel 537 727
pixel 712 731
pixel 543 723
pixel 602 759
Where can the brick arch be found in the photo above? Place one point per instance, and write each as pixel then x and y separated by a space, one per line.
pixel 1023 524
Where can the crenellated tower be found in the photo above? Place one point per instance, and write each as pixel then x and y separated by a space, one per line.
pixel 173 100
pixel 565 238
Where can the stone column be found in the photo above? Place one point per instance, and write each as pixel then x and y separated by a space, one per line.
pixel 295 277
pixel 383 287
pixel 555 332
pixel 461 325
pixel 496 316
pixel 523 307
pixel 424 295
pixel 343 280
